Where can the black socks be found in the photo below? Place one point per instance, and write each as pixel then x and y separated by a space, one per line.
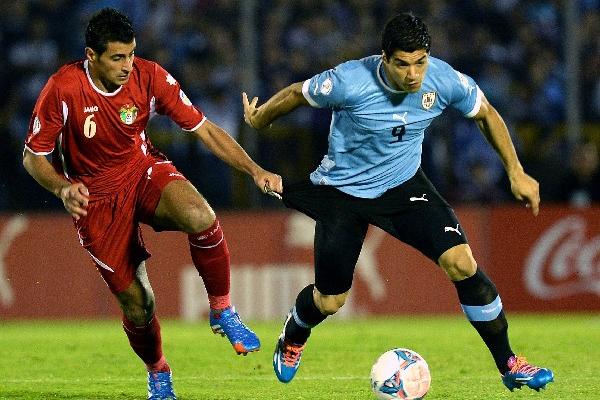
pixel 305 315
pixel 481 304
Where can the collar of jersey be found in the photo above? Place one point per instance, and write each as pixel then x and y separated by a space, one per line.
pixel 380 73
pixel 102 92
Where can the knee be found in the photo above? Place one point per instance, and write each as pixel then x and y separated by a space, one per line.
pixel 330 304
pixel 137 307
pixel 139 314
pixel 458 262
pixel 196 218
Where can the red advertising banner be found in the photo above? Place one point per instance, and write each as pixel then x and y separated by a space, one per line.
pixel 548 263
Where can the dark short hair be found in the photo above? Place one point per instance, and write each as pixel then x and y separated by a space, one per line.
pixel 405 32
pixel 108 25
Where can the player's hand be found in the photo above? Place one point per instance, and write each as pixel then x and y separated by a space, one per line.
pixel 527 189
pixel 250 109
pixel 269 183
pixel 75 198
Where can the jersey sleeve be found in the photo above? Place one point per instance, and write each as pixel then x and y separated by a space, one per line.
pixel 466 95
pixel 47 120
pixel 170 100
pixel 326 90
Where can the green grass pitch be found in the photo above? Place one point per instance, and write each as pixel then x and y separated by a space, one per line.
pixel 92 359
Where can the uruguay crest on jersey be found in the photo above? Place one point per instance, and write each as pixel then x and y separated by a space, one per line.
pixel 128 114
pixel 428 100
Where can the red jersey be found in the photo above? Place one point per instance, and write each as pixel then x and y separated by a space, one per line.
pixel 99 138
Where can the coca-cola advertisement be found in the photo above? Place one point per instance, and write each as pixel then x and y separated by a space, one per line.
pixel 548 263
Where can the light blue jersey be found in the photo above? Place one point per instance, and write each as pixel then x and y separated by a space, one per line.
pixel 376 133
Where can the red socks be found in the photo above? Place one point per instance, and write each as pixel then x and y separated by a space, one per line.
pixel 211 258
pixel 147 344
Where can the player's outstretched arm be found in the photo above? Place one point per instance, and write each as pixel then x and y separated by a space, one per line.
pixel 523 186
pixel 221 144
pixel 281 103
pixel 75 196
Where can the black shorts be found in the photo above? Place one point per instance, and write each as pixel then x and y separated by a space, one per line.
pixel 413 212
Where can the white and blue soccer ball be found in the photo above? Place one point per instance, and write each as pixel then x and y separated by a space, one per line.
pixel 400 374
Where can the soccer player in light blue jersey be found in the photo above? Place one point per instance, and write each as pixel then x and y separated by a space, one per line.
pixel 381 106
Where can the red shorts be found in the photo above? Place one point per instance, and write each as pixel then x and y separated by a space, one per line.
pixel 111 230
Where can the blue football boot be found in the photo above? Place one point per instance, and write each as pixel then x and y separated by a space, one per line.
pixel 227 322
pixel 286 359
pixel 160 386
pixel 287 355
pixel 522 373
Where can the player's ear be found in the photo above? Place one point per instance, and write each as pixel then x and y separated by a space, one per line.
pixel 90 54
pixel 384 56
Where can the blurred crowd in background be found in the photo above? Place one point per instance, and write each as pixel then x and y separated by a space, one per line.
pixel 513 49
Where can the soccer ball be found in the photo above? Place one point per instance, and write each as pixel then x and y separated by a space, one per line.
pixel 400 374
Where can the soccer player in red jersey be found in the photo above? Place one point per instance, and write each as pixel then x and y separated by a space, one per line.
pixel 91 117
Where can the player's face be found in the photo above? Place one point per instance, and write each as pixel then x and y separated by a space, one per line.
pixel 406 71
pixel 112 68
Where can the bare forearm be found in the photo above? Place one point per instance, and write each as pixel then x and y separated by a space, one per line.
pixel 523 186
pixel 221 144
pixel 496 132
pixel 42 171
pixel 280 104
pixel 233 154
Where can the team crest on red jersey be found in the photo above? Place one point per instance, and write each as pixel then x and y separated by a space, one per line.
pixel 128 114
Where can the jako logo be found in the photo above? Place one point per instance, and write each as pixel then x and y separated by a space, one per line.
pixel 563 262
